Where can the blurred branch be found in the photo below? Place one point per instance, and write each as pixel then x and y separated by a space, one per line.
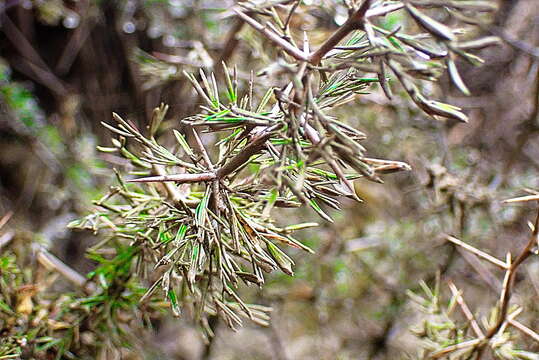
pixel 7 216
pixel 526 330
pixel 77 39
pixel 231 43
pixel 6 238
pixel 51 262
pixel 514 42
pixel 33 62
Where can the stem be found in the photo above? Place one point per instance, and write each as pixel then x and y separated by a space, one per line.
pixel 51 262
pixel 354 22
pixel 201 149
pixel 257 144
pixel 172 191
pixel 273 37
pixel 179 178
pixel 511 274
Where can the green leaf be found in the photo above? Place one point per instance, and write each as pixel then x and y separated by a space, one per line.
pixel 319 210
pixel 5 308
pixel 284 262
pixel 50 342
pixel 201 209
pixel 174 303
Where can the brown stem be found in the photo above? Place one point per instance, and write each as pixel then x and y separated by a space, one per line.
pixel 51 262
pixel 290 13
pixel 172 191
pixel 273 37
pixel 201 149
pixel 354 22
pixel 179 178
pixel 257 144
pixel 511 274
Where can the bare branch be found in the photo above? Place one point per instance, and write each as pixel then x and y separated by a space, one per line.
pixel 522 199
pixel 5 218
pixel 179 178
pixel 510 279
pixel 526 330
pixel 257 144
pixel 51 262
pixel 477 252
pixel 466 310
pixel 272 36
pixel 354 22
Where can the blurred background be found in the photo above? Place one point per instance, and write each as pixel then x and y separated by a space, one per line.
pixel 66 65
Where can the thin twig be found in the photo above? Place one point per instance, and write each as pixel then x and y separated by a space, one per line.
pixel 466 310
pixel 33 61
pixel 201 149
pixel 383 10
pixel 51 262
pixel 231 43
pixel 522 199
pixel 5 218
pixel 172 191
pixel 514 42
pixel 354 22
pixel 179 178
pixel 463 345
pixel 477 252
pixel 510 279
pixel 273 37
pixel 526 330
pixel 6 238
pixel 254 147
pixel 290 14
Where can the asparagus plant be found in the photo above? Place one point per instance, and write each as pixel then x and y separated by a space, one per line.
pixel 192 222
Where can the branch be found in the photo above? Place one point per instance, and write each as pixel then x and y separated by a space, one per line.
pixel 230 44
pixel 477 252
pixel 466 310
pixel 6 238
pixel 449 349
pixel 526 330
pixel 32 61
pixel 173 192
pixel 354 22
pixel 51 262
pixel 179 178
pixel 383 10
pixel 257 144
pixel 201 149
pixel 510 279
pixel 273 37
pixel 522 199
pixel 5 218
